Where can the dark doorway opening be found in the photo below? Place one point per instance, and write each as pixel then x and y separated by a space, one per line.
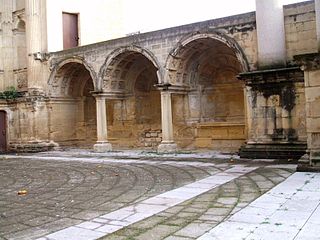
pixel 3 131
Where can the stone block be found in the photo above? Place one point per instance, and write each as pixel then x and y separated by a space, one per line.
pixel 314 140
pixel 154 134
pixel 314 79
pixel 313 109
pixel 203 142
pixel 312 93
pixel 313 125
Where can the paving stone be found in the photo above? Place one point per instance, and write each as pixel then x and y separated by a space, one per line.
pixel 211 218
pixel 177 238
pixel 194 230
pixel 149 223
pixel 75 233
pixel 218 211
pixel 87 214
pixel 108 228
pixel 158 232
pixel 89 225
pixel 227 200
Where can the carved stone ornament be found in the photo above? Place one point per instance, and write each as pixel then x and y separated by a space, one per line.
pixel 308 62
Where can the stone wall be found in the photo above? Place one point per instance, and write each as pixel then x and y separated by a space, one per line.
pixel 300 28
pixel 197 62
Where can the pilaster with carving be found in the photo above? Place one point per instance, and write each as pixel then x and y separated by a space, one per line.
pixel 310 64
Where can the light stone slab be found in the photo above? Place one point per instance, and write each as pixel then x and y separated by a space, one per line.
pixel 310 231
pixel 236 231
pixel 89 225
pixel 75 233
pixel 162 201
pixel 108 228
pixel 275 215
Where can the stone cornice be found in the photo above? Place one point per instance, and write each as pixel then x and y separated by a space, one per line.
pixel 272 76
pixel 309 61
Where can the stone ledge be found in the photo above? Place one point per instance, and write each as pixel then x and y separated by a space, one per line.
pixel 292 151
pixel 34 146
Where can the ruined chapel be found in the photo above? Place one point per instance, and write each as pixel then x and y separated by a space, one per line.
pixel 248 83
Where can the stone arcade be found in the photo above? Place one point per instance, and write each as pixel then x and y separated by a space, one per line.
pixel 248 82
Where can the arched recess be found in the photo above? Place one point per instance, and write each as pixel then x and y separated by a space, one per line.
pixel 133 108
pixel 20 51
pixel 213 110
pixel 73 109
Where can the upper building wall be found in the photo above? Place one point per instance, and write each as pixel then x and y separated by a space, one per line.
pixel 20 4
pixel 300 29
pixel 98 21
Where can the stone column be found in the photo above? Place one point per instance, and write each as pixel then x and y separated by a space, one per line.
pixel 102 144
pixel 317 7
pixel 36 35
pixel 271 33
pixel 167 145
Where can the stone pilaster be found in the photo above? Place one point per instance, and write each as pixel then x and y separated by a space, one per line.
pixel 102 144
pixel 317 7
pixel 7 48
pixel 311 66
pixel 271 33
pixel 167 145
pixel 36 35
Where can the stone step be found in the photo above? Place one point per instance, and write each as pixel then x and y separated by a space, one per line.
pixel 273 151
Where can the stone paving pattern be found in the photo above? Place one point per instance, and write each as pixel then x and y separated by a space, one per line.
pixel 62 194
pixel 195 217
pixel 291 210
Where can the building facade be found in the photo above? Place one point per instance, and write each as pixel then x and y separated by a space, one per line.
pixel 247 83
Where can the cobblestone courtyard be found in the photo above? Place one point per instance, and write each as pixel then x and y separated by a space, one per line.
pixel 85 197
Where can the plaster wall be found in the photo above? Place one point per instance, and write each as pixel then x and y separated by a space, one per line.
pixel 98 21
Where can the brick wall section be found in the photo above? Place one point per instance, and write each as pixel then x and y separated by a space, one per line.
pixel 151 138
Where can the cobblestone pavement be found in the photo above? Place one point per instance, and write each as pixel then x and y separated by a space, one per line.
pixel 71 191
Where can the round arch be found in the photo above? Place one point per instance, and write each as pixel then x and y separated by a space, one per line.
pixel 113 59
pixel 171 62
pixel 76 62
pixel 130 75
pixel 207 64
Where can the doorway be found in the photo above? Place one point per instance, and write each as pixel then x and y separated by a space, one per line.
pixel 3 131
pixel 70 30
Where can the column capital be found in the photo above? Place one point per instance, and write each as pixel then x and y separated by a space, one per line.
pixel 97 94
pixel 168 87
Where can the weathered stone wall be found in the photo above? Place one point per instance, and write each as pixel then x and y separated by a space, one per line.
pixel 200 62
pixel 311 66
pixel 300 28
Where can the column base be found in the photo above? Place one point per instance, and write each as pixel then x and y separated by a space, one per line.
pixel 102 147
pixel 309 163
pixel 170 147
